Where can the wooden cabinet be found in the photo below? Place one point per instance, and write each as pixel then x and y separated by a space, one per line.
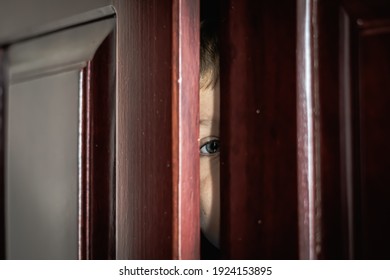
pixel 303 124
pixel 136 155
pixel 304 129
pixel 365 64
pixel 342 53
pixel 258 130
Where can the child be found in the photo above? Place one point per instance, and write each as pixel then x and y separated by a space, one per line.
pixel 209 134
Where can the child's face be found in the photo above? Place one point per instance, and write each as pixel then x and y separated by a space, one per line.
pixel 209 162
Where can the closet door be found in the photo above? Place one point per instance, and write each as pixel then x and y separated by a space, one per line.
pixel 304 129
pixel 131 119
pixel 365 64
pixel 343 53
pixel 158 115
pixel 258 130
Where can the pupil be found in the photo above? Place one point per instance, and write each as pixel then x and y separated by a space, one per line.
pixel 212 147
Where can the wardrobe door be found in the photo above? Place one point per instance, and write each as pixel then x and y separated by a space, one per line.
pixel 343 59
pixel 133 126
pixel 365 64
pixel 303 132
pixel 258 130
pixel 158 115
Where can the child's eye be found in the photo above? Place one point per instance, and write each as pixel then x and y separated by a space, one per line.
pixel 211 147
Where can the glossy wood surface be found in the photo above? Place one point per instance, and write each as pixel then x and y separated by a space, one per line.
pixel 258 130
pixel 157 170
pixel 97 206
pixel 304 132
pixel 336 65
pixel 308 126
pixel 322 225
pixel 185 129
pixel 366 64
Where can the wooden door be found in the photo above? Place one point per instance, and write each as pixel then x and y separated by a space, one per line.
pixel 136 157
pixel 258 130
pixel 343 59
pixel 303 126
pixel 304 129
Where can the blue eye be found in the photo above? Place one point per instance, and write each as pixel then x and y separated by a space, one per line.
pixel 210 147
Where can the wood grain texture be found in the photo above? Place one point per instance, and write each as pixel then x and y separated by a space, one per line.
pixel 366 66
pixel 97 205
pixel 156 188
pixel 2 154
pixel 258 130
pixel 157 167
pixel 185 128
pixel 144 166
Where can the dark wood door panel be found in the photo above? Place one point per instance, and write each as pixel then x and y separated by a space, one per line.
pixel 304 127
pixel 343 59
pixel 139 175
pixel 158 113
pixel 374 97
pixel 258 130
pixel 97 207
pixel 366 68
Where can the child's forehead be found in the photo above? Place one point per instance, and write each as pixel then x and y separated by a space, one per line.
pixel 209 94
pixel 209 104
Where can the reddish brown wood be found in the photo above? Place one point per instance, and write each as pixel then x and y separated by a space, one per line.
pixel 334 244
pixel 336 207
pixel 258 130
pixel 2 155
pixel 144 167
pixel 97 205
pixel 366 65
pixel 153 179
pixel 326 237
pixel 102 161
pixel 349 155
pixel 157 167
pixel 308 127
pixel 374 148
pixel 321 214
pixel 185 128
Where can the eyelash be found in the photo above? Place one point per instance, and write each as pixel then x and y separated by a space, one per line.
pixel 207 150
